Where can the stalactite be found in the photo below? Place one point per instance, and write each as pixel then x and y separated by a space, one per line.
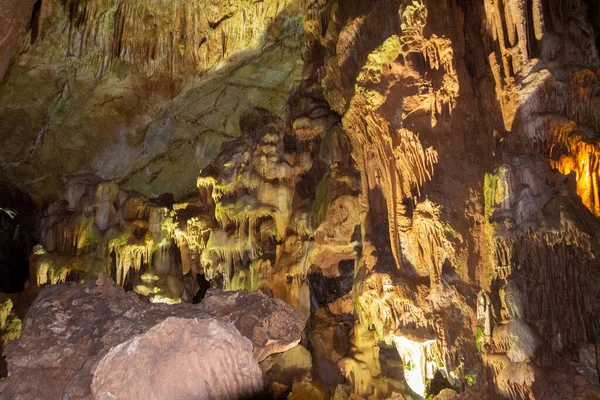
pixel 572 256
pixel 430 236
pixel 158 35
pixel 582 156
pixel 128 256
pixel 404 164
pixel 49 273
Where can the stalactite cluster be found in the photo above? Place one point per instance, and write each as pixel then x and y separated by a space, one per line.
pixel 241 232
pixel 158 36
pixel 396 162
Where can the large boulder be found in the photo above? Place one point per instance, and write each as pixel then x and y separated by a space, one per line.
pixel 180 359
pixel 70 328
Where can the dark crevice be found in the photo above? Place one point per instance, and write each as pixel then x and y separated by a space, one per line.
pixel 593 12
pixel 325 290
pixel 203 286
pixel 113 264
pixel 19 221
pixel 119 22
pixel 532 43
pixel 35 19
pixel 214 25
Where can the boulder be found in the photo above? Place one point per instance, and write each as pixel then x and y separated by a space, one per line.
pixel 180 359
pixel 271 324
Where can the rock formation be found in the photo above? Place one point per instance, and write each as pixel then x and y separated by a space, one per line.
pixel 138 80
pixel 419 178
pixel 129 370
pixel 78 331
pixel 254 223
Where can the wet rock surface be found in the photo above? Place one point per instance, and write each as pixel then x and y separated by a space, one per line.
pixel 71 327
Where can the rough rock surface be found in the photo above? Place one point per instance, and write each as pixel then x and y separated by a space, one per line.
pixel 71 327
pixel 14 20
pixel 272 325
pixel 180 359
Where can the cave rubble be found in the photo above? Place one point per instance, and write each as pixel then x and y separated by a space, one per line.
pixel 71 328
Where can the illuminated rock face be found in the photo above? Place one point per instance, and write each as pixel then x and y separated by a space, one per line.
pixel 258 222
pixel 427 193
pixel 98 229
pixel 421 361
pixel 10 327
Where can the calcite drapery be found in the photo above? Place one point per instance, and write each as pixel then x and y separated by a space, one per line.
pixel 519 216
pixel 396 163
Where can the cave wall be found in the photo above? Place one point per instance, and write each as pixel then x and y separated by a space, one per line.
pixel 463 159
pixel 138 87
